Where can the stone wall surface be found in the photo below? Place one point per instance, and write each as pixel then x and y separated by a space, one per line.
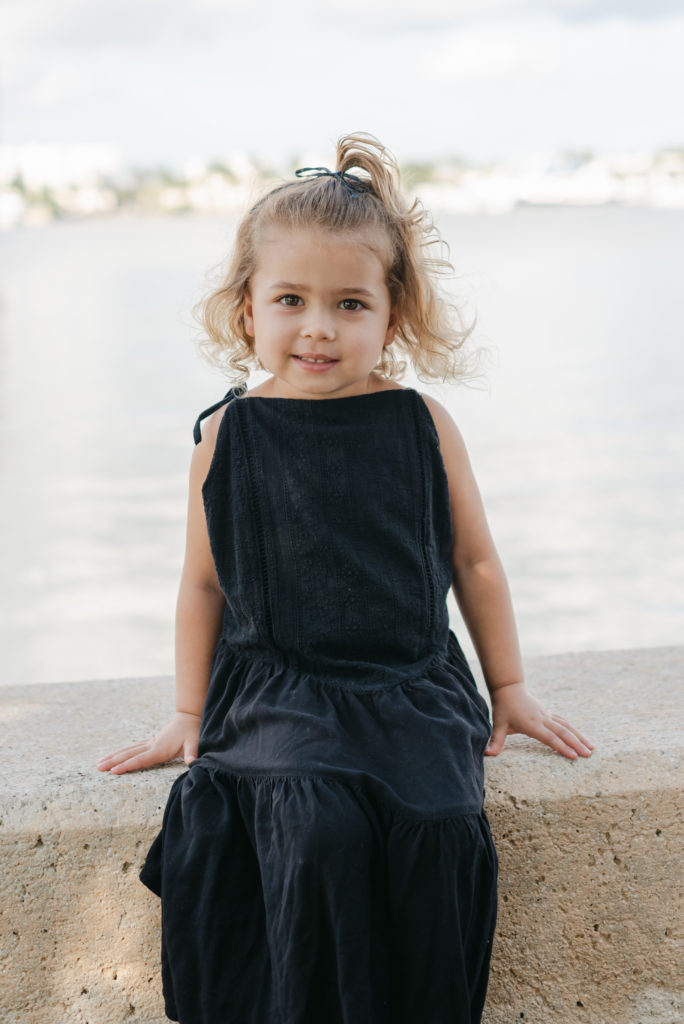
pixel 591 851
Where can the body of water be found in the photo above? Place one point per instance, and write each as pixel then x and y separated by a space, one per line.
pixel 577 442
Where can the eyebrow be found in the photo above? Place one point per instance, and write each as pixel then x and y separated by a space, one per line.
pixel 303 288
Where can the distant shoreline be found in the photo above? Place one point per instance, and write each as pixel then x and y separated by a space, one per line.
pixel 41 216
pixel 39 192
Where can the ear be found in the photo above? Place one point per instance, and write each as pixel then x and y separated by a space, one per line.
pixel 248 314
pixel 392 325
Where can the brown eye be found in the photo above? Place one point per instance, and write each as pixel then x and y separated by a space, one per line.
pixel 289 300
pixel 351 304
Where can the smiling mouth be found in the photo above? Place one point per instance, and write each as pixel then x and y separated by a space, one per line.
pixel 315 359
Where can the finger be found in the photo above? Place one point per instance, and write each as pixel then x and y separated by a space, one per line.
pixel 496 743
pixel 106 762
pixel 119 755
pixel 553 740
pixel 190 751
pixel 124 752
pixel 580 736
pixel 144 760
pixel 571 736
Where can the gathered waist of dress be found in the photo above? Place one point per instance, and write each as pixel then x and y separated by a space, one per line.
pixel 347 673
pixel 415 733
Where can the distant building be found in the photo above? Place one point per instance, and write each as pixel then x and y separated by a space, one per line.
pixel 43 165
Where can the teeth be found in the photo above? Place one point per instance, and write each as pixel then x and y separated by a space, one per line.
pixel 305 359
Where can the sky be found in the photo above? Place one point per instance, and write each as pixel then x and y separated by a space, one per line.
pixel 166 81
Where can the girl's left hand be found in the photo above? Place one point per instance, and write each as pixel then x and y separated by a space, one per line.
pixel 514 710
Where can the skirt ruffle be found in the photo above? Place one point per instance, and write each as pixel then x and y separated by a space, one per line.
pixel 302 899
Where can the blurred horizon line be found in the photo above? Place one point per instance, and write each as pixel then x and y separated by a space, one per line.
pixel 40 183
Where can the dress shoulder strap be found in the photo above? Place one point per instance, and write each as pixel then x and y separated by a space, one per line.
pixel 196 431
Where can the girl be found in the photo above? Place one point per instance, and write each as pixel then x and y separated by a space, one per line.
pixel 326 858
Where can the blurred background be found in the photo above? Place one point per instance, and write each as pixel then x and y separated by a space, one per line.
pixel 547 139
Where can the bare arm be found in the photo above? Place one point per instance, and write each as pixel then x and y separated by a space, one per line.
pixel 483 596
pixel 199 616
pixel 200 604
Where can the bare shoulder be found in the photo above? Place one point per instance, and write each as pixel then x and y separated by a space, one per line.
pixel 472 540
pixel 450 439
pixel 210 427
pixel 204 451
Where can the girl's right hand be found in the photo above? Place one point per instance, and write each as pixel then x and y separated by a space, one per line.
pixel 180 738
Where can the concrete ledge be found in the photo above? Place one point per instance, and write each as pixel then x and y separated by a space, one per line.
pixel 591 852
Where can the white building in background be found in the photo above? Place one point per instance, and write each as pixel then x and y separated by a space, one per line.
pixel 41 165
pixel 40 182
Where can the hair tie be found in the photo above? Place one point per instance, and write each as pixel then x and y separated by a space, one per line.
pixel 353 184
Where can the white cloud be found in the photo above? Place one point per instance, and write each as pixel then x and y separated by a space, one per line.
pixel 489 54
pixel 56 86
pixel 171 79
pixel 391 15
pixel 74 24
pixel 543 49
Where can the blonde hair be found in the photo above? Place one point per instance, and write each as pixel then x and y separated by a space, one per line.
pixel 430 331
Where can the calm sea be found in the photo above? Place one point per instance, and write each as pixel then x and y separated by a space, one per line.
pixel 577 440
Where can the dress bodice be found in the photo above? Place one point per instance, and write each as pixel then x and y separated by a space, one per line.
pixel 330 527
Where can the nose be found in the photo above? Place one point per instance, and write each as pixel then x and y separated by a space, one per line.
pixel 318 325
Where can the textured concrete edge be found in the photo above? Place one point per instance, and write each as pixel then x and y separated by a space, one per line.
pixel 591 851
pixel 629 702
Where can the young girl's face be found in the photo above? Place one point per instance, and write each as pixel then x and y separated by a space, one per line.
pixel 319 310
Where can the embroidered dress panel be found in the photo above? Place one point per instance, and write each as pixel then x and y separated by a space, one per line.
pixel 335 586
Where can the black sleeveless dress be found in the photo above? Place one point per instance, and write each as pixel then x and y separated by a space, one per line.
pixel 327 859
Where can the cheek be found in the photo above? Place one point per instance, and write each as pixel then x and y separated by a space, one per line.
pixel 257 320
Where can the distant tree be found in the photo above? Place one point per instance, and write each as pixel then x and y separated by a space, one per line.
pixel 217 167
pixel 45 198
pixel 264 172
pixel 574 158
pixel 417 173
pixel 165 176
